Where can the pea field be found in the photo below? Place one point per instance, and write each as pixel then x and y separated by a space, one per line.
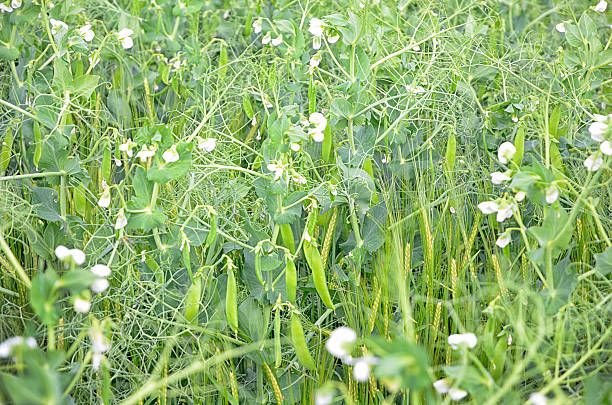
pixel 305 202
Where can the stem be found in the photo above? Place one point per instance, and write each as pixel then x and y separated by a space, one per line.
pixel 355 224
pixel 63 197
pixel 32 175
pixel 13 260
pixel 19 109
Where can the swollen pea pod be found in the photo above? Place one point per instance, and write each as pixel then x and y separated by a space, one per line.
pixel 106 164
pixel 80 200
pixel 231 300
pixel 7 149
pixel 298 340
pixel 313 258
pixel 312 96
pixel 327 144
pixel 367 166
pixel 451 152
pixel 519 144
pixel 192 301
pixel 287 237
pixel 222 61
pixel 290 279
pixel 277 333
pixel 212 233
pixel 247 106
pixel 247 24
pixel 38 142
pixel 258 267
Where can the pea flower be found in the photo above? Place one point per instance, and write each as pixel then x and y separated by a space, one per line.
pixel 504 239
pixel 94 59
pixel 277 168
pixel 57 26
pixel 601 6
pixel 340 342
pixel 560 27
pixel 99 285
pixel 121 220
pixel 468 340
pixel 99 344
pixel 505 211
pixel 488 207
pixel 63 253
pixel 266 39
pixel 7 346
pixel 16 3
pixel 520 196
pixel 456 394
pixel 208 144
pixel 593 162
pixel 442 387
pixel 506 152
pixel 101 270
pixel 277 41
pixel 145 153
pixel 127 147
pixel 315 60
pixel 125 38
pixel 320 123
pixel 552 193
pixel 105 198
pixel 294 146
pixel 606 148
pixel 81 305
pixel 361 371
pixel 499 177
pixel 171 155
pixel 323 398
pixel 86 32
pixel 537 398
pixel 5 9
pixel 316 27
pixel 257 26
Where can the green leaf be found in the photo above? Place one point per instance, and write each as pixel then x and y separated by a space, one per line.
pixel 362 64
pixel 341 108
pixel 282 215
pixel 77 280
pixel 401 364
pixel 572 36
pixel 141 200
pixel 551 229
pixel 45 202
pixel 565 280
pixel 43 296
pixel 604 262
pixel 163 172
pixel 8 53
pixel 373 229
pixel 84 85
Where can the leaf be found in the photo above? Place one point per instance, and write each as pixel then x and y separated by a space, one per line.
pixel 572 36
pixel 401 364
pixel 283 215
pixel 163 172
pixel 551 229
pixel 373 229
pixel 362 64
pixel 341 108
pixel 604 262
pixel 43 296
pixel 84 85
pixel 565 280
pixel 8 53
pixel 45 202
pixel 140 201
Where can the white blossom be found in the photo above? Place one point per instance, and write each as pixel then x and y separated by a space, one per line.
pixel 5 9
pixel 121 220
pixel 462 339
pixel 257 26
pixel 505 152
pixel 316 27
pixel 315 60
pixel 171 155
pixel 505 211
pixel 99 285
pixel 488 207
pixel 208 144
pixel 16 3
pixel 145 153
pixel 323 398
pixel 537 398
pixel 101 270
pixel 57 26
pixel 601 6
pixel 504 239
pixel 340 342
pixel 560 27
pixel 456 394
pixel 277 41
pixel 597 131
pixel 520 196
pixel 105 198
pixel 552 193
pixel 499 177
pixel 93 59
pixel 99 344
pixel 441 386
pixel 125 38
pixel 606 148
pixel 361 370
pixel 278 170
pixel 81 305
pixel 593 162
pixel 86 32
pixel 63 253
pixel 7 346
pixel 266 39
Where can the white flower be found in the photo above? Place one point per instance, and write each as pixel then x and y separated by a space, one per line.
pixel 538 399
pixel 488 207
pixel 294 146
pixel 332 39
pixel 316 135
pixel 601 6
pixel 145 153
pixel 16 3
pixel 316 27
pixel 171 155
pixel 456 394
pixel 415 90
pixel 416 48
pixel 267 103
pixel 99 344
pixel 266 39
pixel 101 270
pixel 340 342
pixel 121 220
pixel 57 26
pixel 318 120
pixel 7 346
pixel 505 211
pixel 105 198
pixel 593 163
pixel 606 148
pixel 505 152
pixel 520 196
pixel 63 253
pixel 5 9
pixel 277 41
pixel 552 193
pixel 504 239
pixel 323 398
pixel 127 147
pixel 462 339
pixel 560 27
pixel 125 38
pixel 81 305
pixel 257 26
pixel 278 170
pixel 315 60
pixel 499 177
pixel 441 386
pixel 94 59
pixel 208 144
pixel 86 32
pixel 99 285
pixel 597 131
pixel 361 370
pixel 316 43
pixel 96 359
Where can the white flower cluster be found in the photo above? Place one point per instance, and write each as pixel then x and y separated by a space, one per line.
pixel 340 345
pixel 9 9
pixel 99 344
pixel 6 347
pixel 318 28
pixel 267 38
pixel 601 132
pixel 456 341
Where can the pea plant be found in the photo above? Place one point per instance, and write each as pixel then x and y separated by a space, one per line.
pixel 240 202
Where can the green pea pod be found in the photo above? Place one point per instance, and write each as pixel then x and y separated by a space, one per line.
pixel 311 220
pixel 192 301
pixel 277 336
pixel 258 268
pixel 106 165
pixel 313 258
pixel 231 301
pixel 7 149
pixel 299 343
pixel 327 144
pixel 451 152
pixel 222 61
pixel 212 233
pixel 312 96
pixel 519 144
pixel 247 106
pixel 291 280
pixel 367 166
pixel 80 200
pixel 38 142
pixel 287 237
pixel 247 23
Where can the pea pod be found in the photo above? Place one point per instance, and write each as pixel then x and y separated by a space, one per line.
pixel 287 237
pixel 298 340
pixel 231 300
pixel 313 258
pixel 7 149
pixel 212 233
pixel 312 96
pixel 247 23
pixel 258 268
pixel 519 144
pixel 80 200
pixel 222 61
pixel 247 106
pixel 106 165
pixel 192 301
pixel 327 144
pixel 277 334
pixel 38 142
pixel 291 280
pixel 451 152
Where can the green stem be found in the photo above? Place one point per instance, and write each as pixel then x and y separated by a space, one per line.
pixel 355 224
pixel 63 197
pixel 13 260
pixel 32 175
pixel 19 109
